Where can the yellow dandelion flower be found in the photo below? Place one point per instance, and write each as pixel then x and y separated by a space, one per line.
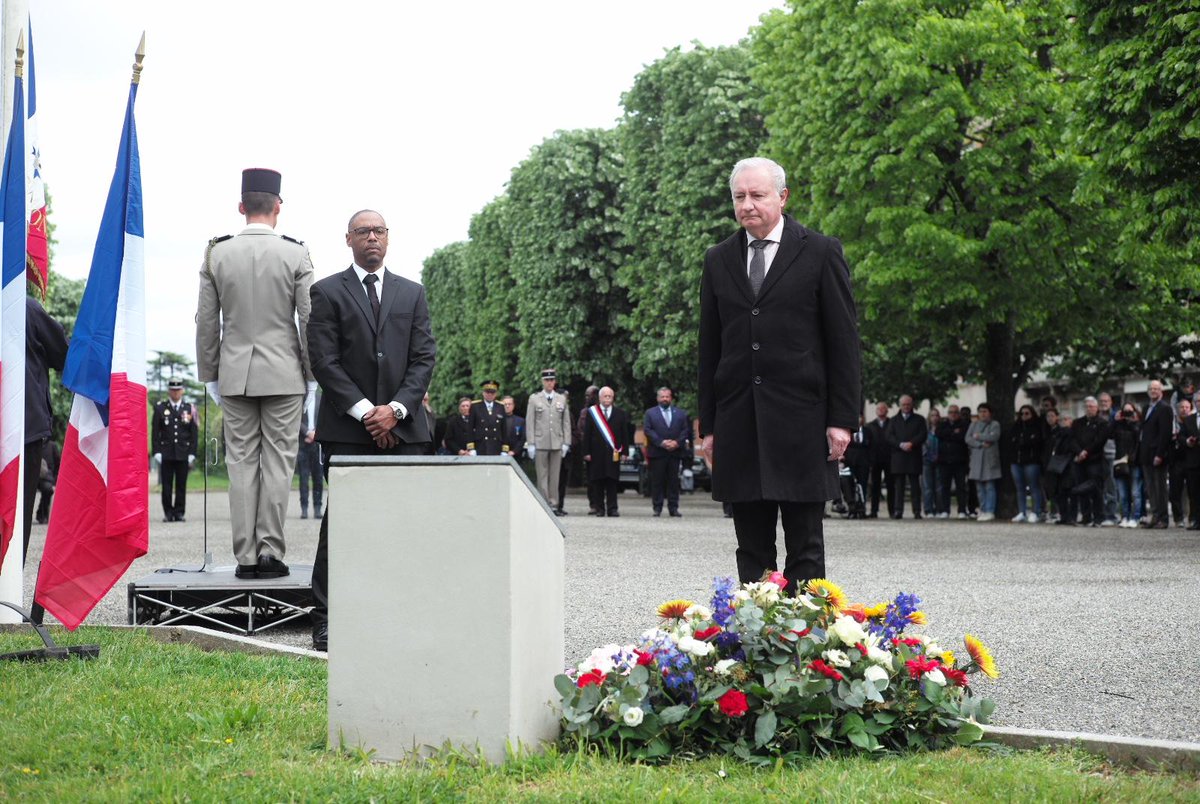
pixel 981 656
pixel 876 612
pixel 674 609
pixel 917 618
pixel 830 591
pixel 948 658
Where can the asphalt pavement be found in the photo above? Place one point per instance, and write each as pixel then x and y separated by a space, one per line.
pixel 1093 629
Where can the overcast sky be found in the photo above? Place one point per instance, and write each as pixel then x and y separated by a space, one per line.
pixel 419 111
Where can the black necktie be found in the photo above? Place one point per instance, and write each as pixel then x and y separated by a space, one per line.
pixel 758 264
pixel 370 281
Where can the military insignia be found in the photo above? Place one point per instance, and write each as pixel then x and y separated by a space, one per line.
pixel 292 240
pixel 220 239
pixel 186 418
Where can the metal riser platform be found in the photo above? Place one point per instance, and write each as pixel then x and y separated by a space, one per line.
pixel 216 598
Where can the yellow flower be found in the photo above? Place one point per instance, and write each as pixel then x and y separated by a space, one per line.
pixel 917 618
pixel 981 656
pixel 948 658
pixel 876 612
pixel 228 741
pixel 674 609
pixel 830 591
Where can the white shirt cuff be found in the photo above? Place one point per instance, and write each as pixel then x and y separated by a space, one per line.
pixel 401 411
pixel 361 408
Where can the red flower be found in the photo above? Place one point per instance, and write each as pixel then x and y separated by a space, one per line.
pixel 591 677
pixel 918 666
pixel 861 648
pixel 912 643
pixel 778 579
pixel 705 633
pixel 733 703
pixel 644 658
pixel 802 634
pixel 825 670
pixel 959 677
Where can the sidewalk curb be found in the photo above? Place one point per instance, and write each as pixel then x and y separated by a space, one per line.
pixel 1129 752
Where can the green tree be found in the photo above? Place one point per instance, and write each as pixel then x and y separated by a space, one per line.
pixel 445 288
pixel 1139 115
pixel 566 248
pixel 63 297
pixel 164 366
pixel 688 118
pixel 493 338
pixel 928 136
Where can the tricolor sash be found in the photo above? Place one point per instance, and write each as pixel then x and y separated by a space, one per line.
pixel 605 430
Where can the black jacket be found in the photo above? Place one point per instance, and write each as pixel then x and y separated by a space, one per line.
pixel 1028 441
pixel 881 450
pixel 45 349
pixel 899 431
pixel 952 441
pixel 1089 434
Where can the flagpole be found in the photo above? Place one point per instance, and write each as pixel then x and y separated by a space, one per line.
pixel 12 572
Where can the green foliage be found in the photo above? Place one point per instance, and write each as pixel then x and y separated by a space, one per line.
pixel 1139 115
pixel 928 135
pixel 564 228
pixel 688 118
pixel 445 283
pixel 491 301
pixel 62 304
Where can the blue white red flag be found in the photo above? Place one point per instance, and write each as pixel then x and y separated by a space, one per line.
pixel 13 220
pixel 38 246
pixel 100 520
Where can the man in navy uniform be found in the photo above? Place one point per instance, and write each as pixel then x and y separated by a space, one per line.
pixel 487 422
pixel 174 436
pixel 667 430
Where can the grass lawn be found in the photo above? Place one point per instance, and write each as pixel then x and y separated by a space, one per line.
pixel 167 722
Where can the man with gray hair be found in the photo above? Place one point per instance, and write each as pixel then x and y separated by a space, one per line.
pixel 1153 447
pixel 1089 432
pixel 779 379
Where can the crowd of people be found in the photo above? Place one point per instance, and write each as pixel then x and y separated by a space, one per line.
pixel 1123 466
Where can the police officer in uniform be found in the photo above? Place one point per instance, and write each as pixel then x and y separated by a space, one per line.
pixel 488 423
pixel 174 436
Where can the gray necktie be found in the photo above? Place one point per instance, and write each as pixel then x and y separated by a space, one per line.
pixel 758 264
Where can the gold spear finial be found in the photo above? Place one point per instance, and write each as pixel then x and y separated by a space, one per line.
pixel 21 54
pixel 137 59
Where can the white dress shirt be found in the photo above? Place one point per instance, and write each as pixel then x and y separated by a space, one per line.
pixel 769 252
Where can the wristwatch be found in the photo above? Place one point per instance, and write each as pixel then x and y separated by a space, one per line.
pixel 397 410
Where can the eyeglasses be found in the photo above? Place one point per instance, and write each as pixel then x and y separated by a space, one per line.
pixel 363 231
pixel 1025 414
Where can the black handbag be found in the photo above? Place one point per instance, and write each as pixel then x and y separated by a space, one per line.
pixel 1058 464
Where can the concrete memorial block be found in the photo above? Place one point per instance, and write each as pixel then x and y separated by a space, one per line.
pixel 446 606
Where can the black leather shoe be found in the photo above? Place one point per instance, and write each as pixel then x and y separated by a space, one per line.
pixel 246 571
pixel 304 513
pixel 180 518
pixel 658 513
pixel 613 513
pixel 271 567
pixel 676 513
pixel 321 637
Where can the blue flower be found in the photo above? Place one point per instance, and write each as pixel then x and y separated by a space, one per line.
pixel 896 619
pixel 722 600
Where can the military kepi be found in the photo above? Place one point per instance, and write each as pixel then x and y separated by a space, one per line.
pixel 261 180
pixel 549 374
pixel 175 384
pixel 491 385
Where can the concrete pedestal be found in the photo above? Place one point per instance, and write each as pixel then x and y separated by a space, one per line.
pixel 446 606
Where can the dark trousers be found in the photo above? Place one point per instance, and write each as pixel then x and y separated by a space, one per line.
pixel 896 500
pixel 881 476
pixel 664 479
pixel 955 473
pixel 320 573
pixel 33 471
pixel 1156 490
pixel 1176 480
pixel 563 474
pixel 1193 495
pixel 1090 474
pixel 308 463
pixel 595 498
pixel 173 477
pixel 605 490
pixel 803 539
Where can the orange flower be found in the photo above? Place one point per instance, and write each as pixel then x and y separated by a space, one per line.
pixel 674 609
pixel 981 656
pixel 830 591
pixel 917 618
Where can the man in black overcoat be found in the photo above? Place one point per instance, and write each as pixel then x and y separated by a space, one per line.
pixel 45 349
pixel 881 458
pixel 906 434
pixel 1153 449
pixel 780 375
pixel 605 438
pixel 372 351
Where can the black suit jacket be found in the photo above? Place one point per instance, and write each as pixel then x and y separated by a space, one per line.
pixel 602 465
pixel 45 349
pixel 777 369
pixel 654 425
pixel 899 431
pixel 1156 433
pixel 354 359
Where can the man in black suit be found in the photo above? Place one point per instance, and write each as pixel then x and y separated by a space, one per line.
pixel 605 435
pixel 667 429
pixel 1153 449
pixel 458 429
pixel 487 420
pixel 372 351
pixel 881 458
pixel 45 349
pixel 906 434
pixel 780 373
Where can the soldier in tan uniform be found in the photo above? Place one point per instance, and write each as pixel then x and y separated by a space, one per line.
pixel 254 360
pixel 548 435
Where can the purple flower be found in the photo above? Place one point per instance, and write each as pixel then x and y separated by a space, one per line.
pixel 722 600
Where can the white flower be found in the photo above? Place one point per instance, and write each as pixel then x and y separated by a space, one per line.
pixel 837 658
pixel 875 673
pixel 694 646
pixel 633 716
pixel 601 659
pixel 722 667
pixel 936 677
pixel 806 601
pixel 741 595
pixel 848 630
pixel 697 612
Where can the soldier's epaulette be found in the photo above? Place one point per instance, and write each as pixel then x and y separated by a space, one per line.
pixel 292 240
pixel 220 239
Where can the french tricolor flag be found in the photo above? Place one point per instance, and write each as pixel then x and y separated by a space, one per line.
pixel 13 222
pixel 38 247
pixel 100 520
